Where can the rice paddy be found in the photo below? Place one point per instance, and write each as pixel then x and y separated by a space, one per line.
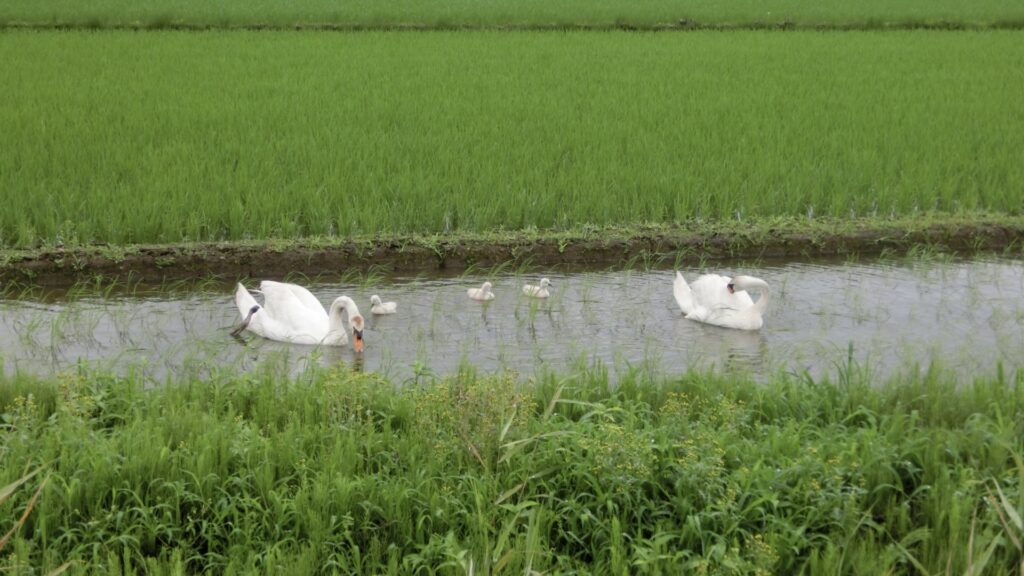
pixel 475 13
pixel 875 426
pixel 180 136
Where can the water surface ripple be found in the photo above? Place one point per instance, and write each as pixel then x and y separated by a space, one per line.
pixel 968 315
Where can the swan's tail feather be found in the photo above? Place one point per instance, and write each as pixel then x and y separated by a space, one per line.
pixel 244 300
pixel 683 294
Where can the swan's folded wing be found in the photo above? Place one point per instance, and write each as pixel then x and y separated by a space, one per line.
pixel 244 300
pixel 305 296
pixel 712 292
pixel 283 304
pixel 684 296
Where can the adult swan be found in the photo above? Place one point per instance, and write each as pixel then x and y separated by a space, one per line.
pixel 290 313
pixel 723 301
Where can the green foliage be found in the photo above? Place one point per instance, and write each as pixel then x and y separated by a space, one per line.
pixel 469 415
pixel 157 14
pixel 342 472
pixel 172 137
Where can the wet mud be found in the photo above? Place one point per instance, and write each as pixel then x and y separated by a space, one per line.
pixel 277 258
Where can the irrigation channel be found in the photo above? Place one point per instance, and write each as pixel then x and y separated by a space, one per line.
pixel 892 315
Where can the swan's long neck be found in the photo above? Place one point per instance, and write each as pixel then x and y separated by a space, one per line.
pixel 761 287
pixel 336 318
pixel 354 325
pixel 353 312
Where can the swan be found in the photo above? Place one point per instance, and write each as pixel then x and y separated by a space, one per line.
pixel 290 313
pixel 378 307
pixel 538 291
pixel 722 301
pixel 481 293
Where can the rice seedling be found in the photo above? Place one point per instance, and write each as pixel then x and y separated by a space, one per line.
pixel 468 13
pixel 511 141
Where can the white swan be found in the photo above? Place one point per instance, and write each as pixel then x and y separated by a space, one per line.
pixel 481 293
pixel 722 301
pixel 290 313
pixel 538 291
pixel 378 307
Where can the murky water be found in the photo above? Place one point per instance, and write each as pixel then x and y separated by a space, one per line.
pixel 967 315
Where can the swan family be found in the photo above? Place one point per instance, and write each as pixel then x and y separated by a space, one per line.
pixel 291 313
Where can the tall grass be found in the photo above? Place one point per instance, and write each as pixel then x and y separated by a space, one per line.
pixel 157 13
pixel 337 472
pixel 169 136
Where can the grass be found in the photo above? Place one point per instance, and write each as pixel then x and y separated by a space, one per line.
pixel 340 472
pixel 163 13
pixel 172 136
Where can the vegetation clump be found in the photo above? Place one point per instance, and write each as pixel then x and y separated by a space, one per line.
pixel 340 472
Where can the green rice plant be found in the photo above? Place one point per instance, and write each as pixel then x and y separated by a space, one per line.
pixel 161 14
pixel 179 137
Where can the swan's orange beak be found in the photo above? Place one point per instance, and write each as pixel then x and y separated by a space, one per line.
pixel 357 343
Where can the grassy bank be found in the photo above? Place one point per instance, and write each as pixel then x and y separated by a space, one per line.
pixel 172 137
pixel 664 245
pixel 158 13
pixel 342 472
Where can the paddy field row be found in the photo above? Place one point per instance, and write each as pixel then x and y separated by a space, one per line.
pixel 476 13
pixel 337 472
pixel 125 137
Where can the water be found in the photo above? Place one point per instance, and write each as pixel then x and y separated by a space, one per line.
pixel 968 315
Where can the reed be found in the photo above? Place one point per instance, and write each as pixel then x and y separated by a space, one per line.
pixel 341 472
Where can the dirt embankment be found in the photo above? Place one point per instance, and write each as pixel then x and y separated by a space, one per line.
pixel 605 246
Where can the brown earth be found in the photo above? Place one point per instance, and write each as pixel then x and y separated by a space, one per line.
pixel 608 246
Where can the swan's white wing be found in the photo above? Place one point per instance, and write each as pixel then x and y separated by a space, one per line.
pixel 244 300
pixel 293 315
pixel 712 292
pixel 304 296
pixel 683 294
pixel 708 300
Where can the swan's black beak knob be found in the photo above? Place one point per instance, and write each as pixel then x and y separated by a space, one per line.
pixel 731 287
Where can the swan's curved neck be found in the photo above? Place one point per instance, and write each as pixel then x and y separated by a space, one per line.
pixel 761 288
pixel 336 318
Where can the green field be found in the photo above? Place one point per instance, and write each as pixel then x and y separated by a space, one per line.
pixel 118 137
pixel 173 136
pixel 520 13
pixel 343 473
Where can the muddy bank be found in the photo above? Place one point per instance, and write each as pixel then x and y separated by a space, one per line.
pixel 162 22
pixel 586 246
